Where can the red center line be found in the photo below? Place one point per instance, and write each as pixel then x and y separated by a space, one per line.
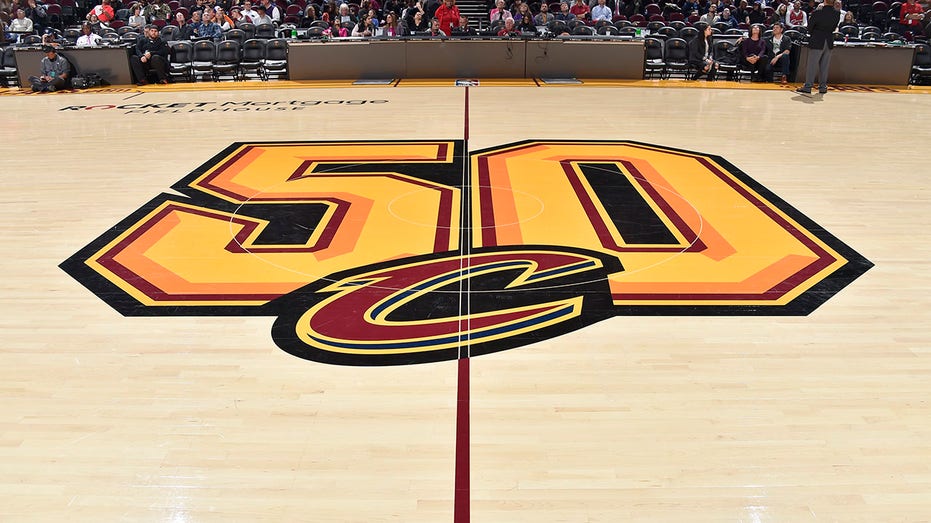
pixel 462 498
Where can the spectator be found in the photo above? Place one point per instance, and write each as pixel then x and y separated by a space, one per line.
pixel 272 10
pixel 756 14
pixel 21 24
pixel 849 20
pixel 136 20
pixel 416 24
pixel 544 16
pixel 448 15
pixel 728 18
pixel 226 23
pixel 508 29
pixel 54 72
pixel 151 55
pixel 209 28
pixel 310 15
pixel 520 12
pixel 910 17
pixel 781 14
pixel 701 56
pixel 601 11
pixel 499 12
pixel 103 11
pixel 247 13
pixel 365 27
pixel 157 10
pixel 564 13
pixel 580 10
pixel 711 16
pixel 392 27
pixel 344 15
pixel 796 16
pixel 526 26
pixel 186 31
pixel 753 53
pixel 94 23
pixel 38 14
pixel 88 38
pixel 780 46
pixel 262 17
pixel 463 28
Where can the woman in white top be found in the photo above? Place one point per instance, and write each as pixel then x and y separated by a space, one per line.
pixel 136 20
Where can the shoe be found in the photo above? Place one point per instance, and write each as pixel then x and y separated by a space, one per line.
pixel 822 91
pixel 51 89
pixel 802 90
pixel 141 83
pixel 784 80
pixel 695 76
pixel 163 82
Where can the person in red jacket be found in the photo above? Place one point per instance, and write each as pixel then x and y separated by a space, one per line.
pixel 910 17
pixel 448 15
pixel 104 12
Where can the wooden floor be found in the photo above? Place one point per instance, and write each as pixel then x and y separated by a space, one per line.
pixel 824 417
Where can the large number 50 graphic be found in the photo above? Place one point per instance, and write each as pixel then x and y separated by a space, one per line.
pixel 387 238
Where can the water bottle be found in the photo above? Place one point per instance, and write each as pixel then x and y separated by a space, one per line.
pixel 294 33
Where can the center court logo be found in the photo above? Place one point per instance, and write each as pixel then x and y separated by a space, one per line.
pixel 397 252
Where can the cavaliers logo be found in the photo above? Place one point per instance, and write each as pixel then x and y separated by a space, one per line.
pixel 383 253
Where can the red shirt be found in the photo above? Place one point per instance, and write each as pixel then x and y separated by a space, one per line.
pixel 448 17
pixel 579 10
pixel 910 9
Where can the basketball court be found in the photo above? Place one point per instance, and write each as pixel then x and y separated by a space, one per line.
pixel 508 302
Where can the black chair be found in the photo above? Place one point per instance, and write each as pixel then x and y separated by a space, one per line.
pixel 276 58
pixel 654 58
pixel 129 38
pixel 171 33
pixel 627 31
pixel 678 25
pixel 726 55
pixel 226 62
pixel 621 24
pixel 677 57
pixel 850 31
pixel 655 26
pixel 266 31
pixel 249 29
pixel 253 56
pixel 892 37
pixel 123 14
pixel 583 30
pixel 236 35
pixel 31 40
pixel 9 75
pixel 608 30
pixel 179 62
pixel 204 54
pixel 72 35
pixel 921 66
pixel 721 26
pixel 666 32
pixel 689 33
pixel 125 29
pixel 314 33
pixel 557 27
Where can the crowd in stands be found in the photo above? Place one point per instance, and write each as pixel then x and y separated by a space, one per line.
pixel 335 18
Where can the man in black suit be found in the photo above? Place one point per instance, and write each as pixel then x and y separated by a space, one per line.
pixel 821 25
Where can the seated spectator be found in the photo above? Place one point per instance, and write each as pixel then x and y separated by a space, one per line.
pixel 209 28
pixel 364 28
pixel 248 14
pixel 38 14
pixel 601 11
pixel 796 16
pixel 521 10
pixel 157 10
pixel 54 72
pixel 701 56
pixel 499 12
pixel 839 6
pixel 416 24
pixel 564 13
pixel 186 31
pixel 780 47
pixel 272 11
pixel 711 16
pixel 463 28
pixel 756 14
pixel 226 23
pixel 195 22
pixel 753 53
pixel 88 37
pixel 262 17
pixel 94 23
pixel 508 29
pixel 391 26
pixel 21 24
pixel 728 18
pixel 526 26
pixel 103 12
pixel 911 15
pixel 345 15
pixel 337 31
pixel 435 30
pixel 151 54
pixel 544 16
pixel 781 13
pixel 448 15
pixel 848 20
pixel 136 20
pixel 580 10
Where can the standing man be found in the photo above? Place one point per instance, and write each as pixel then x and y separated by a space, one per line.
pixel 821 26
pixel 151 55
pixel 53 72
